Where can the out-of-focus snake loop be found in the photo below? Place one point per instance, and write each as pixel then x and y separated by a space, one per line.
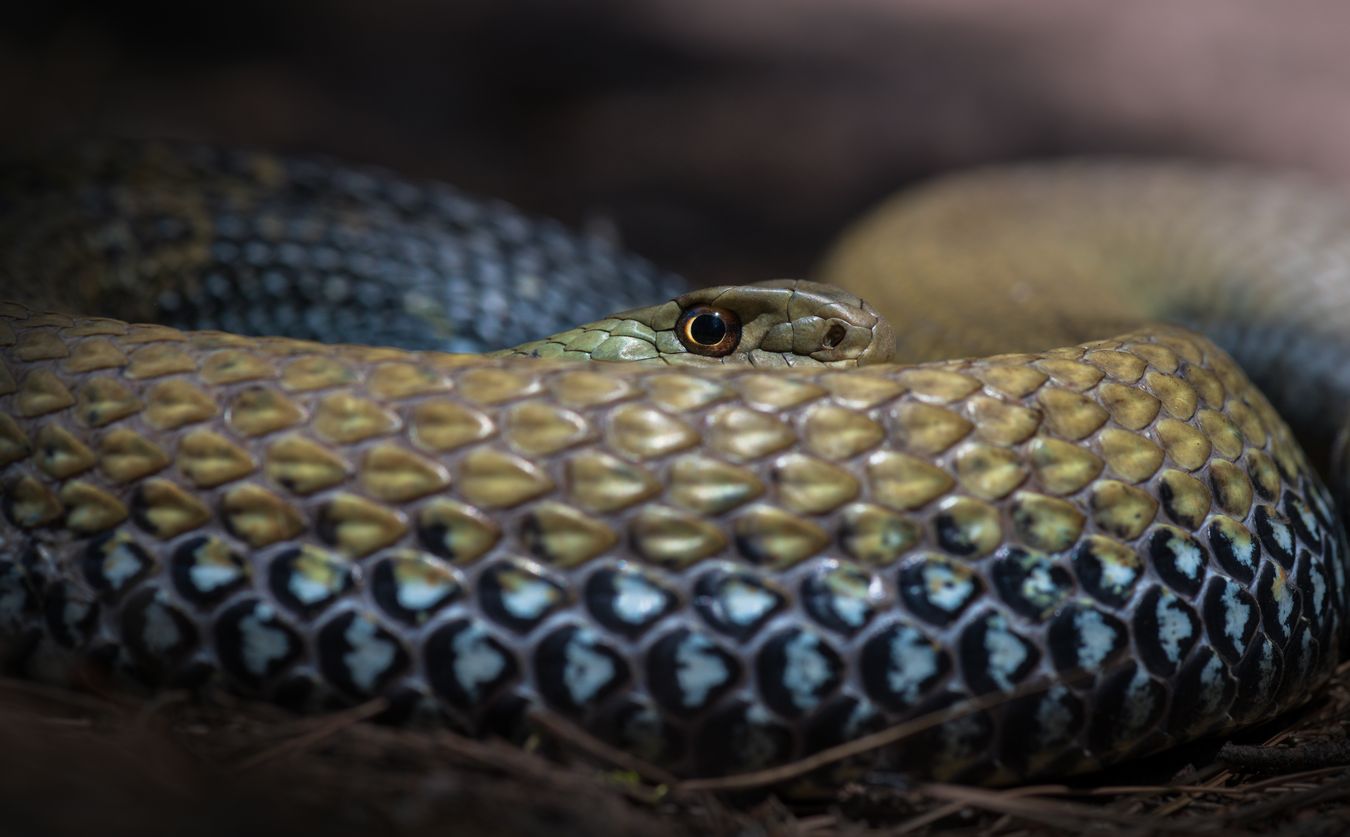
pixel 754 540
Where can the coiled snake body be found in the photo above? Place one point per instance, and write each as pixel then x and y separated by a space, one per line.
pixel 1081 553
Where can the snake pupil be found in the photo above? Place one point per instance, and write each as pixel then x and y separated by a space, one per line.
pixel 707 329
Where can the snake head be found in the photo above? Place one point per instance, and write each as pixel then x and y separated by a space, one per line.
pixel 784 322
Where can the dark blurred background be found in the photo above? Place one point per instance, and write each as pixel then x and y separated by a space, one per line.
pixel 728 139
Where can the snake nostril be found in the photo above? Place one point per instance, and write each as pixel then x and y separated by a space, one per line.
pixel 834 336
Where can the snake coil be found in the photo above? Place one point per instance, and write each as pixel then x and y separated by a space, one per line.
pixel 717 558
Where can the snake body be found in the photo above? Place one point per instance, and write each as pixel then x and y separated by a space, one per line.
pixel 1097 550
pixel 201 237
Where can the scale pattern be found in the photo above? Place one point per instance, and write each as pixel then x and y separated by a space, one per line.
pixel 717 569
pixel 252 242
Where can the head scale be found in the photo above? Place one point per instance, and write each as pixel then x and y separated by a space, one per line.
pixel 778 323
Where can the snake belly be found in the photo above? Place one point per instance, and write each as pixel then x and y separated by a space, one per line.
pixel 716 569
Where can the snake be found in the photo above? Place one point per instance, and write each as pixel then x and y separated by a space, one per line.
pixel 1034 489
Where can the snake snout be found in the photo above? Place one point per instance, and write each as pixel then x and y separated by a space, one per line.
pixel 881 349
pixel 850 333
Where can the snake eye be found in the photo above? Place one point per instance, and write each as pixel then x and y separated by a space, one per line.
pixel 705 330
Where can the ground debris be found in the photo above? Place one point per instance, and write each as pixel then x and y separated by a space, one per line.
pixel 74 763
